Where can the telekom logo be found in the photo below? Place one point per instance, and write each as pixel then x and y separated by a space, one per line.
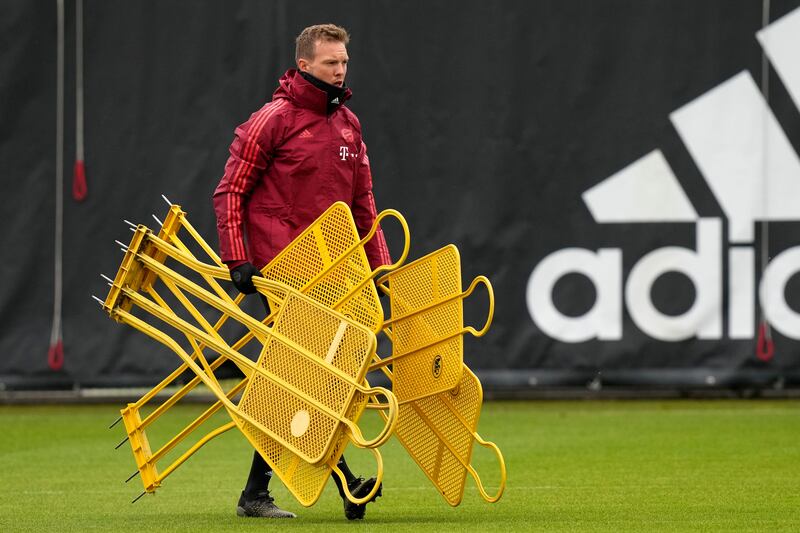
pixel 754 173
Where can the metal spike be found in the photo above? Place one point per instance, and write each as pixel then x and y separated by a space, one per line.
pixel 139 496
pixel 128 222
pixel 99 300
pixel 166 200
pixel 133 230
pixel 117 421
pixel 156 219
pixel 106 278
pixel 121 244
pixel 132 476
pixel 123 250
pixel 121 443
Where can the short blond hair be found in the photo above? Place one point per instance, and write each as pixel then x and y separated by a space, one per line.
pixel 308 38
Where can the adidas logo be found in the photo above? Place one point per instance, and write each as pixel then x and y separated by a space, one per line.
pixel 754 173
pixel 306 134
pixel 335 100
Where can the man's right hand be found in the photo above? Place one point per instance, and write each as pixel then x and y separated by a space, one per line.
pixel 242 277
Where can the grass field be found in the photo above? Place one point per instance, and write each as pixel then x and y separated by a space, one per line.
pixel 714 465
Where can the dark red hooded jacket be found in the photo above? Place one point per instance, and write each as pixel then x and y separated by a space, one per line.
pixel 289 162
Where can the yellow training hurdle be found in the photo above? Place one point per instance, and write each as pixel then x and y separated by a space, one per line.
pixel 296 331
pixel 426 325
pixel 301 400
pixel 439 433
pixel 440 398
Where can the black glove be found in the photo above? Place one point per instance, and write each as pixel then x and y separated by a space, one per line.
pixel 242 277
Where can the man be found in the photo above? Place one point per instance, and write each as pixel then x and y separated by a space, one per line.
pixel 289 162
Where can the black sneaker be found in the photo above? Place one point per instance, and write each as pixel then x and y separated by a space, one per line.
pixel 359 488
pixel 261 505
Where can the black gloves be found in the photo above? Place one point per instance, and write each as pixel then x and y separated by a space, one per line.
pixel 242 277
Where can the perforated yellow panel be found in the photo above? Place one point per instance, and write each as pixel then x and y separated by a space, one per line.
pixel 438 433
pixel 308 342
pixel 426 333
pixel 310 257
pixel 304 480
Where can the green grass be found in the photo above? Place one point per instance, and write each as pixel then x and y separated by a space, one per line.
pixel 678 465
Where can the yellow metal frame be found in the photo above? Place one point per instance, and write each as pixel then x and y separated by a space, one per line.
pixel 136 426
pixel 427 324
pixel 327 263
pixel 141 267
pixel 440 398
pixel 439 433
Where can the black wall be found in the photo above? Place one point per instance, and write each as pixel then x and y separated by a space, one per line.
pixel 485 122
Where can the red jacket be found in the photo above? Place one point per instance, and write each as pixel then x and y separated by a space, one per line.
pixel 289 162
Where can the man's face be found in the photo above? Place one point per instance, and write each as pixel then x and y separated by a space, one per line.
pixel 329 63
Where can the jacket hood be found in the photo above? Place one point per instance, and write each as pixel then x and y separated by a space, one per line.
pixel 295 88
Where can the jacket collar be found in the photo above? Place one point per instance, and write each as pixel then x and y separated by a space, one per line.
pixel 303 93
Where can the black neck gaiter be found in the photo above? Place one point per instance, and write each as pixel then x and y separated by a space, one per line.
pixel 335 95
